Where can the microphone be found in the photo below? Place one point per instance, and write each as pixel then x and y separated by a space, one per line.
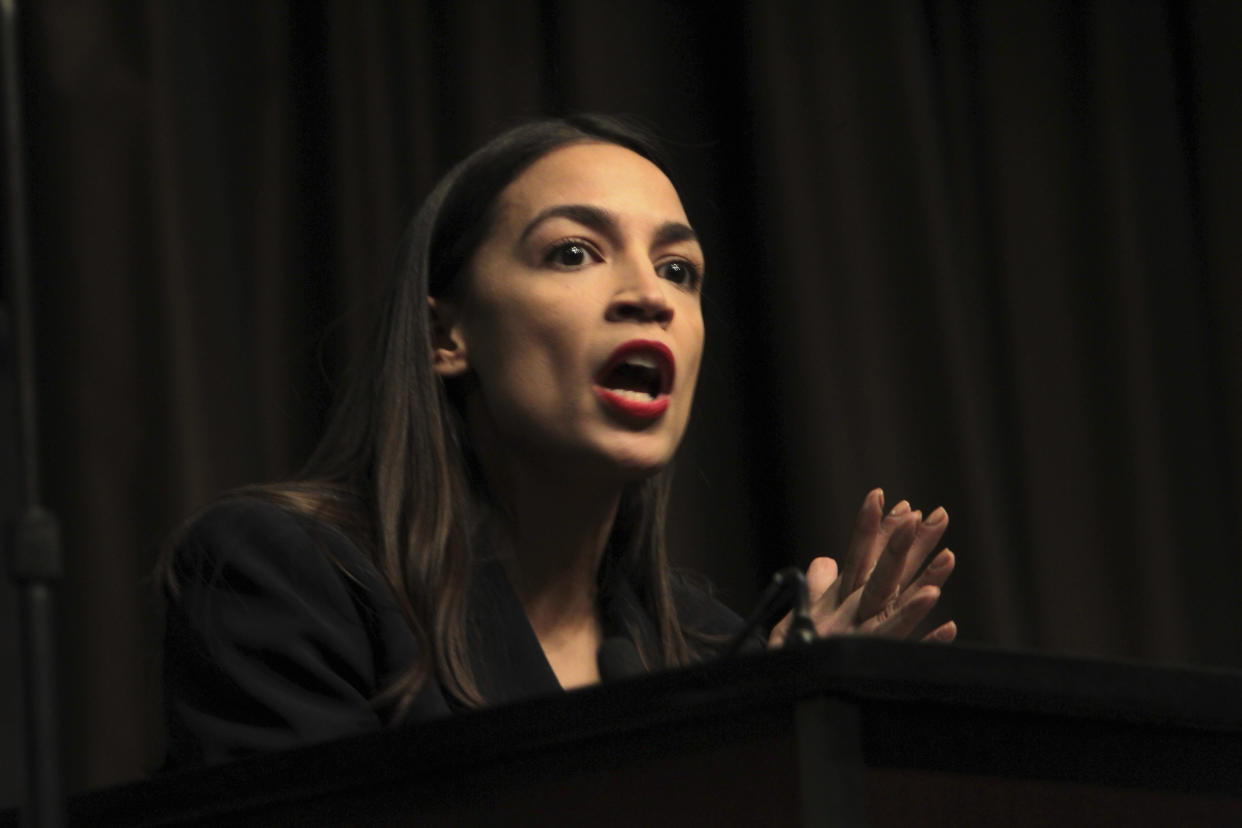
pixel 618 659
pixel 788 587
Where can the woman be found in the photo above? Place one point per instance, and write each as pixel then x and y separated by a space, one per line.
pixel 488 503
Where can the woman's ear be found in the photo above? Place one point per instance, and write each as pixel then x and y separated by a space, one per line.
pixel 448 347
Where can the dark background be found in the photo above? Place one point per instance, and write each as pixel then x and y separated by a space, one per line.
pixel 986 255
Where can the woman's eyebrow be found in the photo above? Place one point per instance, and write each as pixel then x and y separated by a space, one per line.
pixel 605 222
pixel 671 232
pixel 596 218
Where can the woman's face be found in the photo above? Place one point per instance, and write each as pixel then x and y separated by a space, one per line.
pixel 581 321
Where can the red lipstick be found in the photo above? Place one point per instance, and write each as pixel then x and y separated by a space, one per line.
pixel 636 379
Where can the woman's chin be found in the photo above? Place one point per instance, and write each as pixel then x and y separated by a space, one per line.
pixel 621 461
pixel 634 470
pixel 634 463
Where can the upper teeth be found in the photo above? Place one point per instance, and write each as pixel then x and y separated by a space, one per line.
pixel 642 361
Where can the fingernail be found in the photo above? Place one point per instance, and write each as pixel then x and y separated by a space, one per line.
pixel 948 633
pixel 941 563
pixel 937 517
pixel 900 509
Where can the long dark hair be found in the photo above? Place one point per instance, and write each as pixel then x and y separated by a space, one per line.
pixel 393 470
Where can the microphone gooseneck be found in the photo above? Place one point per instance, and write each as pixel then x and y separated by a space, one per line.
pixel 786 591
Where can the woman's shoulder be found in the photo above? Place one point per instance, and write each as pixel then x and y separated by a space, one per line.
pixel 245 516
pixel 278 633
pixel 251 537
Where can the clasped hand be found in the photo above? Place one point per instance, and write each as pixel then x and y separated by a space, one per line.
pixel 879 588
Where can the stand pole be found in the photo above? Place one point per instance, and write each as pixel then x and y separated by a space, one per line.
pixel 35 563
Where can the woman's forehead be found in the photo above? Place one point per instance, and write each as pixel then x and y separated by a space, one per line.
pixel 602 175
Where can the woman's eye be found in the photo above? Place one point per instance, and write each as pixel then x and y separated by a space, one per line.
pixel 570 254
pixel 680 272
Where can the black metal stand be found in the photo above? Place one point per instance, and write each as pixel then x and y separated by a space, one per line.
pixel 33 534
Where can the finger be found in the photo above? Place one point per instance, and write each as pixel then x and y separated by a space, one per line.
pixel 900 618
pixel 929 534
pixel 823 589
pixel 820 575
pixel 936 573
pixel 885 582
pixel 943 634
pixel 839 621
pixel 871 532
pixel 866 528
pixel 776 638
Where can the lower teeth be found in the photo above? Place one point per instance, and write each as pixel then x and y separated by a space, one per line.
pixel 636 396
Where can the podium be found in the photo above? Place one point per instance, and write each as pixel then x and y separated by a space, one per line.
pixel 847 732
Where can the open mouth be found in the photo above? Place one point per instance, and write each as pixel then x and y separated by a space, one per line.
pixel 636 379
pixel 639 370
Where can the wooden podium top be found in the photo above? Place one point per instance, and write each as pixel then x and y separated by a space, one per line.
pixel 727 743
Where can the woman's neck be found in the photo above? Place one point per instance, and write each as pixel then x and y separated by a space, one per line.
pixel 558 526
pixel 558 530
pixel 557 511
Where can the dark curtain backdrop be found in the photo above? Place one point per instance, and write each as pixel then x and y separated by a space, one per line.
pixel 982 254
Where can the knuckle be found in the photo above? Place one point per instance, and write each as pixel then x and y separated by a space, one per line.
pixel 886 611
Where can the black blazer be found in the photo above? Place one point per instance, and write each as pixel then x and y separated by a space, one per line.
pixel 282 632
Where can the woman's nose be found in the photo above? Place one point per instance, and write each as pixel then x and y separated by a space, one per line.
pixel 640 297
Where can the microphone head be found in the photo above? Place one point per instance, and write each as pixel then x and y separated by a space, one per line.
pixel 619 659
